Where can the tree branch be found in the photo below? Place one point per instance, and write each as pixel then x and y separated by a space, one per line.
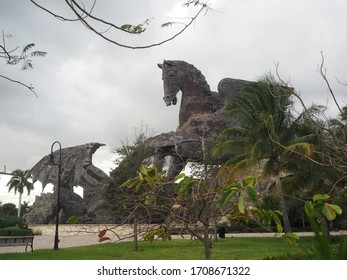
pixel 29 87
pixel 322 72
pixel 82 15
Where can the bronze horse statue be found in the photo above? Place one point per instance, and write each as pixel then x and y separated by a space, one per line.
pixel 201 117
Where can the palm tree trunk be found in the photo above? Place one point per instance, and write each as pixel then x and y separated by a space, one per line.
pixel 286 223
pixel 19 205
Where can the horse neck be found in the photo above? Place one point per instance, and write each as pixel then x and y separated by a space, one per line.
pixel 194 101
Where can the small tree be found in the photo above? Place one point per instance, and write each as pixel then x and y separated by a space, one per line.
pixel 199 203
pixel 129 158
pixel 130 205
pixel 8 209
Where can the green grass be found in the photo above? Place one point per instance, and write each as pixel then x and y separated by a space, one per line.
pixel 225 249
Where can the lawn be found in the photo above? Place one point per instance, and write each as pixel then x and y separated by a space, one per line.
pixel 252 248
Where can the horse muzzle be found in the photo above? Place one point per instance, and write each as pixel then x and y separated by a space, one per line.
pixel 170 101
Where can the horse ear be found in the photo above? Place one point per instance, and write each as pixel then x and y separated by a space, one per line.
pixel 169 62
pixel 160 65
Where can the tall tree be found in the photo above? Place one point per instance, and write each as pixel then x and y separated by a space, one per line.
pixel 265 134
pixel 19 182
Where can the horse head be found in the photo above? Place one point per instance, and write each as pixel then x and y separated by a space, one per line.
pixel 172 78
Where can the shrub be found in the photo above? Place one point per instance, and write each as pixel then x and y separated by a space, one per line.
pixel 15 231
pixel 8 221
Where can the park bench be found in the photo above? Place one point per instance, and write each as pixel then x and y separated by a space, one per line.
pixel 9 241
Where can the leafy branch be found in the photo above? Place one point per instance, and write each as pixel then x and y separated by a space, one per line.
pixel 101 27
pixel 24 58
pixel 247 203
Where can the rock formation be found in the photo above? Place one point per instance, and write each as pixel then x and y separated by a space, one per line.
pixel 77 169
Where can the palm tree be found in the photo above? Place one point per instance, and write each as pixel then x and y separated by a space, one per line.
pixel 25 207
pixel 265 133
pixel 19 182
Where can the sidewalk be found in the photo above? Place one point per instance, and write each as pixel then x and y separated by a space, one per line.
pixel 47 242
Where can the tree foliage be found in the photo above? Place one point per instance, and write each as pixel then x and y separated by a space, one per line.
pixel 19 183
pixel 265 134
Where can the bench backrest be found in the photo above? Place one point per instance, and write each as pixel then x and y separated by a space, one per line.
pixel 16 240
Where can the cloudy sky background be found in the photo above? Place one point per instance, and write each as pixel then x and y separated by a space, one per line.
pixel 92 91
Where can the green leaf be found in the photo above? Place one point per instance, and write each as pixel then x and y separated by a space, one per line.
pixel 279 213
pixel 180 176
pixel 253 208
pixel 126 27
pixel 251 180
pixel 38 53
pixel 185 186
pixel 227 195
pixel 241 204
pixel 277 221
pixel 235 186
pixel 150 180
pixel 309 208
pixel 252 193
pixel 152 171
pixel 143 170
pixel 130 183
pixel 138 185
pixel 291 237
pixel 28 47
pixel 149 236
pixel 167 24
pixel 336 208
pixel 319 196
pixel 329 212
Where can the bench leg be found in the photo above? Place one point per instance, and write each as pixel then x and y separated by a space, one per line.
pixel 31 247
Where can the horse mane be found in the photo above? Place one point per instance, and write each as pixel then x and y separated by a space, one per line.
pixel 191 71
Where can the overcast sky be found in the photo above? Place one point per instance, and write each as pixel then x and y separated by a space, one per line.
pixel 92 91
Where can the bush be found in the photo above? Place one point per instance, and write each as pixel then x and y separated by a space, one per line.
pixel 299 255
pixel 8 221
pixel 15 231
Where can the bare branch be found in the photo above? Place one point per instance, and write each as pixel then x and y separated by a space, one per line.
pixel 323 72
pixel 332 137
pixel 53 14
pixel 6 53
pixel 29 87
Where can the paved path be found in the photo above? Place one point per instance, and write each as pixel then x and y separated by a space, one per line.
pixel 46 241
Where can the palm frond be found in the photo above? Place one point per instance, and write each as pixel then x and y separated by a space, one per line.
pixel 303 148
pixel 229 147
